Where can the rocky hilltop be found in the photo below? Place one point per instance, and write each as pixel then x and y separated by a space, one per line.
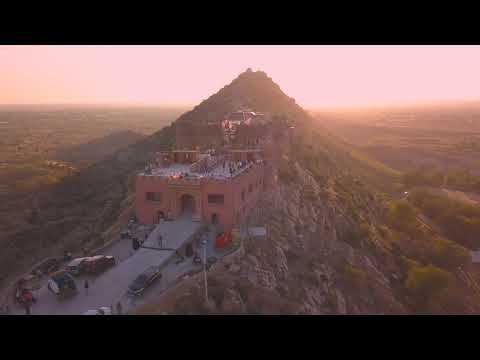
pixel 322 254
pixel 327 249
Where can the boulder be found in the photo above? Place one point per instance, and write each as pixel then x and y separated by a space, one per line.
pixel 232 303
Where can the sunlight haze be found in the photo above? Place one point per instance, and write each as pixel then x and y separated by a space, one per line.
pixel 316 76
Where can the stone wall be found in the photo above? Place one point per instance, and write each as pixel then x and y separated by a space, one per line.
pixel 190 136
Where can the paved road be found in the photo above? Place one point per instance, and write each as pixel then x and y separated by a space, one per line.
pixel 107 288
pixel 170 273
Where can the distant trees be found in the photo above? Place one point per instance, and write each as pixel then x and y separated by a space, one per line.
pixel 460 220
pixel 423 177
pixel 460 179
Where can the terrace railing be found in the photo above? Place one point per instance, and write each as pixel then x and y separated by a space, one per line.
pixel 184 181
pixel 206 164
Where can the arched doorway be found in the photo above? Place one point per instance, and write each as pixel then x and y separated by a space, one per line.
pixel 189 250
pixel 160 216
pixel 187 204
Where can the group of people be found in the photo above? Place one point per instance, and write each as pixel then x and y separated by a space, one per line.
pixel 234 166
pixel 165 217
pixel 181 175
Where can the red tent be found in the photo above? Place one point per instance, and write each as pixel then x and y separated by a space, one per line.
pixel 223 239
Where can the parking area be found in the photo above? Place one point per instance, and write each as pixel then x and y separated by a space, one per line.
pixel 108 288
pixel 174 271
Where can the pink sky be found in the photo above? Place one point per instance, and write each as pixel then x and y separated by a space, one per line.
pixel 315 76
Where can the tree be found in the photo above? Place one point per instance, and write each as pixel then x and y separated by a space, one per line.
pixel 355 275
pixel 427 283
pixel 402 215
pixel 448 254
pixel 364 230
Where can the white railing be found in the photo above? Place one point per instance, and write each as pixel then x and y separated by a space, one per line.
pixel 207 164
pixel 184 181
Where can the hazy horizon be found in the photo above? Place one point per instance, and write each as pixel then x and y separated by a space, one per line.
pixel 318 77
pixel 333 108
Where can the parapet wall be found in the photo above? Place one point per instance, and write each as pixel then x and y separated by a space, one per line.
pixel 190 135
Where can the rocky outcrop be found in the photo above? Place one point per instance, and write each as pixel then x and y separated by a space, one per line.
pixel 303 259
pixel 232 303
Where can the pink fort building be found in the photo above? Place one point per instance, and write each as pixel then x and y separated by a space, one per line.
pixel 219 187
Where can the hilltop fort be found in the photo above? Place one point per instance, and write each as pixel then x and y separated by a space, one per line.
pixel 216 172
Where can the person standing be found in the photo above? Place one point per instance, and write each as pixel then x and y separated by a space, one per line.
pixel 86 287
pixel 160 240
pixel 119 308
pixel 135 244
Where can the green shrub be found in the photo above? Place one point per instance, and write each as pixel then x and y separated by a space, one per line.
pixel 352 236
pixel 355 275
pixel 409 264
pixel 461 221
pixel 427 283
pixel 449 255
pixel 402 215
pixel 364 230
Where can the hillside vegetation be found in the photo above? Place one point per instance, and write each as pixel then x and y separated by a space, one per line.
pixel 334 245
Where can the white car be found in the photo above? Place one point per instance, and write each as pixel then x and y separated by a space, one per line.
pixel 105 310
pixel 75 266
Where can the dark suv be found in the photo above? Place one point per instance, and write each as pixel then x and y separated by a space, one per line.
pixel 144 280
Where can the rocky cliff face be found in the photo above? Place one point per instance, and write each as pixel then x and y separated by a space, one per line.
pixel 306 256
pixel 306 265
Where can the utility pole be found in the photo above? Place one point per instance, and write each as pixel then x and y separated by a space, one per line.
pixel 205 271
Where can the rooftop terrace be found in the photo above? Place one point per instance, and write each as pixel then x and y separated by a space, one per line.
pixel 221 171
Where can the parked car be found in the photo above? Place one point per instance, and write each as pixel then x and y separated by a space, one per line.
pixel 97 264
pixel 180 259
pixel 62 284
pixel 76 266
pixel 90 312
pixel 105 310
pixel 144 280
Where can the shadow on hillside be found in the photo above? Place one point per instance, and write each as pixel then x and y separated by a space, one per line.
pixel 98 149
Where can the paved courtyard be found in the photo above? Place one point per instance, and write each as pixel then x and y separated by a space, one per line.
pixel 109 287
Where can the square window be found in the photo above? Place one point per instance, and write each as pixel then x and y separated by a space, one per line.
pixel 154 196
pixel 216 199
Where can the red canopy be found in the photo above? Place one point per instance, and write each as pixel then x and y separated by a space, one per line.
pixel 223 240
